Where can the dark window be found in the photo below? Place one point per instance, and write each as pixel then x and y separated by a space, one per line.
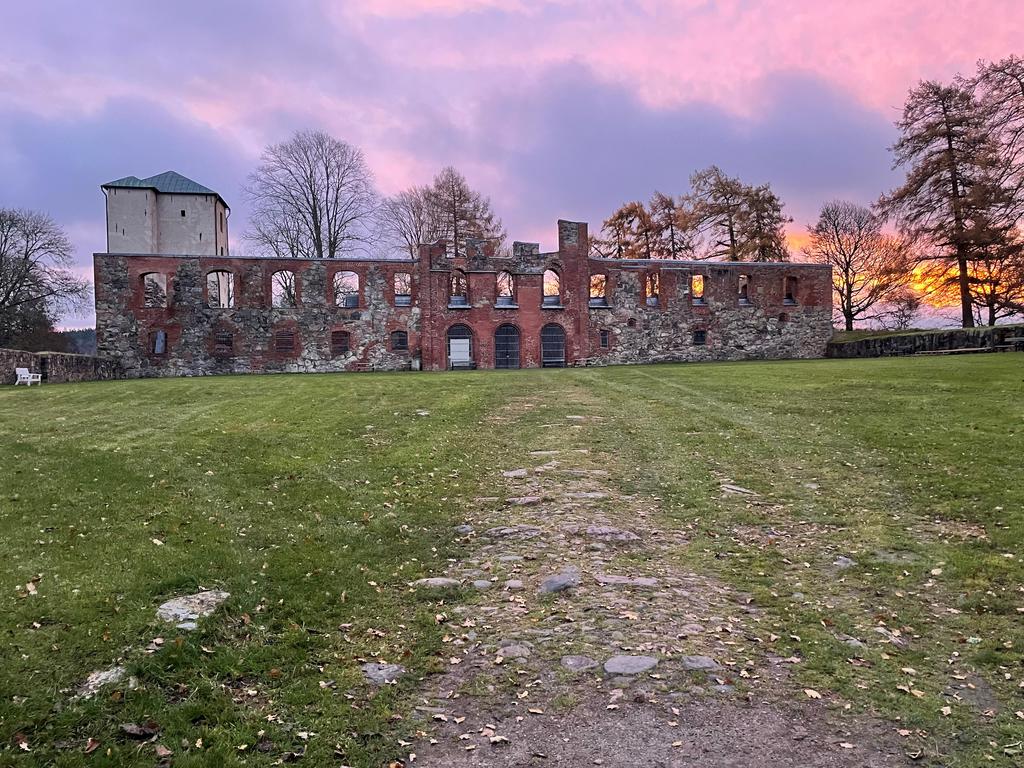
pixel 700 338
pixel 223 343
pixel 158 342
pixel 183 213
pixel 399 341
pixel 606 339
pixel 200 237
pixel 506 347
pixel 790 291
pixel 284 341
pixel 744 289
pixel 783 317
pixel 552 346
pixel 222 221
pixel 339 343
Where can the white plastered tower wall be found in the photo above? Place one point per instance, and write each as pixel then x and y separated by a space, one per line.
pixel 165 214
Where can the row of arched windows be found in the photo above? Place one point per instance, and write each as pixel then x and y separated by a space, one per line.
pixel 507 346
pixel 220 289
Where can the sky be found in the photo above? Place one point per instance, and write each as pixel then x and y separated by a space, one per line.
pixel 555 109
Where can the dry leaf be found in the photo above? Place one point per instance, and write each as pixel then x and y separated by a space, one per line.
pixel 811 693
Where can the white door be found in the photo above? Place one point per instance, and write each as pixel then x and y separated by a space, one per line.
pixel 458 352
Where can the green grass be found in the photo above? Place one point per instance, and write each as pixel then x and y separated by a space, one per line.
pixel 315 499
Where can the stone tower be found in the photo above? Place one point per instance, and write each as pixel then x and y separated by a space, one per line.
pixel 165 214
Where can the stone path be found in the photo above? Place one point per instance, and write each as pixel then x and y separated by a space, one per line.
pixel 591 645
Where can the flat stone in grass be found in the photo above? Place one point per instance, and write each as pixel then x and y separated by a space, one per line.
pixel 629 665
pixel 612 580
pixel 523 501
pixel 578 663
pixel 607 533
pixel 513 532
pixel 688 630
pixel 514 585
pixel 561 581
pixel 699 663
pixel 185 611
pixel 464 529
pixel 100 678
pixel 382 674
pixel 514 473
pixel 842 563
pixel 482 584
pixel 437 582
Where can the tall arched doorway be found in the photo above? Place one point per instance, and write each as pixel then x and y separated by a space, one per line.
pixel 552 346
pixel 460 347
pixel 506 347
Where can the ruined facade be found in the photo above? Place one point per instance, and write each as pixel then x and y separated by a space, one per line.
pixel 163 314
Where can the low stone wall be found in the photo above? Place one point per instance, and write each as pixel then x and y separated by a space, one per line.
pixel 928 341
pixel 57 367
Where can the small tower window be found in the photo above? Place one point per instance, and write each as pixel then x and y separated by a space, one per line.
pixel 183 213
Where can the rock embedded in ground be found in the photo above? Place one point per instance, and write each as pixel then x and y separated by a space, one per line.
pixel 842 563
pixel 382 674
pixel 588 495
pixel 608 533
pixel 437 582
pixel 515 651
pixel 523 501
pixel 578 663
pixel 690 629
pixel 561 581
pixel 463 530
pixel 699 663
pixel 185 611
pixel 513 473
pixel 514 585
pixel 629 665
pixel 513 532
pixel 100 678
pixel 482 584
pixel 609 579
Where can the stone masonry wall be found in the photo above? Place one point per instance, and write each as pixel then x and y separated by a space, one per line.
pixel 769 325
pixel 57 367
pixel 926 341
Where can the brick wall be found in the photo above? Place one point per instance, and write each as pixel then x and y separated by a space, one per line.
pixel 721 327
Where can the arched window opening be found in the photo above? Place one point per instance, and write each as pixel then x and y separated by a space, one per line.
pixel 346 289
pixel 599 290
pixel 460 347
pixel 506 287
pixel 339 343
pixel 789 297
pixel 220 289
pixel 154 290
pixel 552 346
pixel 552 288
pixel 697 288
pixel 506 347
pixel 458 289
pixel 652 289
pixel 403 289
pixel 744 289
pixel 399 341
pixel 282 289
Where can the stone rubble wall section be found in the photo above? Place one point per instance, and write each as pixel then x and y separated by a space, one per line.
pixel 927 341
pixel 769 327
pixel 57 367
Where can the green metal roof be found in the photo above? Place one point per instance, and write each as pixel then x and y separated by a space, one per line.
pixel 168 182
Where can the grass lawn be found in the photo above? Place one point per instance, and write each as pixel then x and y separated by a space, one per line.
pixel 314 500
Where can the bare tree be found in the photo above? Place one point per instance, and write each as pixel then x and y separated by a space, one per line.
pixel 870 269
pixel 35 281
pixel 952 197
pixel 407 220
pixel 312 197
pixel 459 212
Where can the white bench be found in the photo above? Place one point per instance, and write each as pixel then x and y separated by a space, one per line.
pixel 27 378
